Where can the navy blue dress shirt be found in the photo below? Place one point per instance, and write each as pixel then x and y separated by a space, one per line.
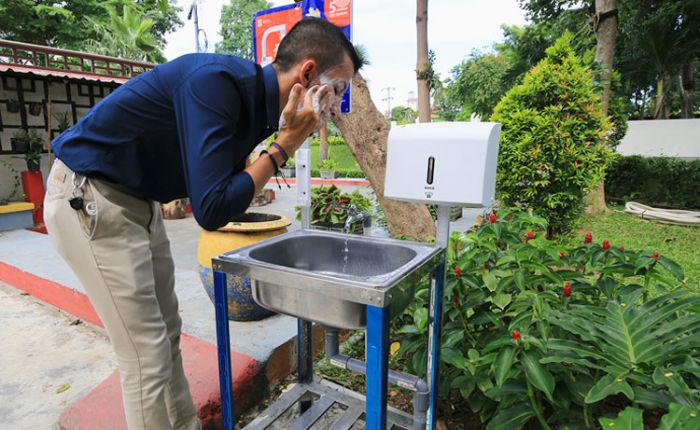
pixel 183 129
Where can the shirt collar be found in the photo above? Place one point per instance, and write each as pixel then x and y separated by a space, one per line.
pixel 272 96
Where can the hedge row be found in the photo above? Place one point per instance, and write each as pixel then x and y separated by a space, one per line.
pixel 657 181
pixel 316 173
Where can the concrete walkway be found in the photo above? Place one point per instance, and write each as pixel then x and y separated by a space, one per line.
pixel 47 362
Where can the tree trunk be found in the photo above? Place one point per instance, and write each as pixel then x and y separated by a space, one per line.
pixel 606 33
pixel 661 90
pixel 174 209
pixel 422 64
pixel 323 146
pixel 366 132
pixel 687 90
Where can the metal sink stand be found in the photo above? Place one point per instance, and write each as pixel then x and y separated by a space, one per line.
pixel 377 415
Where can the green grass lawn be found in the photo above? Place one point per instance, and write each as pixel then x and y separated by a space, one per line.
pixel 681 244
pixel 340 153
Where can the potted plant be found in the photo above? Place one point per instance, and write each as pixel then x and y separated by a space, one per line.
pixel 328 167
pixel 33 159
pixel 329 208
pixel 62 121
pixel 20 141
pixel 13 106
pixel 35 108
pixel 289 169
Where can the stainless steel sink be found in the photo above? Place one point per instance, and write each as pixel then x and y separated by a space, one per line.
pixel 309 274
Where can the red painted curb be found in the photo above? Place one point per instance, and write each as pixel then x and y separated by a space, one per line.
pixel 104 403
pixel 316 181
pixel 64 298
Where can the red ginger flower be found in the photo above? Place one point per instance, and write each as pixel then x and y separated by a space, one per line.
pixel 561 255
pixel 458 271
pixel 588 238
pixel 622 248
pixel 455 301
pixel 530 236
pixel 606 245
pixel 567 290
pixel 655 255
pixel 492 218
pixel 515 335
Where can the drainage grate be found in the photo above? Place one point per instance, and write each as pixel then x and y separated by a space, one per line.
pixel 322 406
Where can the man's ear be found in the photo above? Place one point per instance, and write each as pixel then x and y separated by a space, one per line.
pixel 307 72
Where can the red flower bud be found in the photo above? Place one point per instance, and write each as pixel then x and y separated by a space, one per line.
pixel 515 335
pixel 567 290
pixel 655 255
pixel 455 301
pixel 401 231
pixel 530 236
pixel 458 271
pixel 561 255
pixel 622 248
pixel 606 245
pixel 588 238
pixel 492 218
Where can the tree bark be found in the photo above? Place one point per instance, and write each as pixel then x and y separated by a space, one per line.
pixel 323 146
pixel 606 33
pixel 422 64
pixel 688 88
pixel 660 111
pixel 366 132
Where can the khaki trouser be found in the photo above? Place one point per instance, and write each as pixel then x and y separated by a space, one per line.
pixel 118 249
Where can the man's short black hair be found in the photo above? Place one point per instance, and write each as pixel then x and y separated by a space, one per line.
pixel 318 40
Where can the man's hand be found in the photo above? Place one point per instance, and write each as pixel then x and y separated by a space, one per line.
pixel 299 118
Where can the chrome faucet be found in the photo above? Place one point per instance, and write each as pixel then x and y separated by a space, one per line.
pixel 354 215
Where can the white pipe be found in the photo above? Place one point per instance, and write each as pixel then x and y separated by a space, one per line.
pixel 666 216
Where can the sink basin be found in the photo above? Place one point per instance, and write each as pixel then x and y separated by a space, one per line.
pixel 309 274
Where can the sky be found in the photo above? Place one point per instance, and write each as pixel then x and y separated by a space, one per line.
pixel 387 29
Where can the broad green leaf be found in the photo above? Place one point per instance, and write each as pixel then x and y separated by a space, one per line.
pixel 672 267
pixel 536 373
pixel 453 357
pixel 629 419
pixel 512 417
pixel 502 300
pixel 503 364
pixel 651 399
pixel 607 386
pixel 489 281
pixel 510 390
pixel 680 417
pixel 519 279
pixel 671 379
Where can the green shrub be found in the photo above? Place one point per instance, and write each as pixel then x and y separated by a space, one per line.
pixel 657 181
pixel 332 141
pixel 536 336
pixel 553 141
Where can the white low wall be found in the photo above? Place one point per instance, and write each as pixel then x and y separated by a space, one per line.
pixel 679 138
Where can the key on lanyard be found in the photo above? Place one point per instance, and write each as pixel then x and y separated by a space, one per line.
pixel 77 202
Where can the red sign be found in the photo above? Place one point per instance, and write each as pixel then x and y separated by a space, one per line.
pixel 270 28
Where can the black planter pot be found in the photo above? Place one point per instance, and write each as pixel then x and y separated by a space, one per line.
pixel 19 145
pixel 13 106
pixel 33 166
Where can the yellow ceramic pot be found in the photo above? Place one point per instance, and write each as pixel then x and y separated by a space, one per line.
pixel 244 230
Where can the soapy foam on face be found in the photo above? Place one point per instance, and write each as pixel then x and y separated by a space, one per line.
pixel 331 105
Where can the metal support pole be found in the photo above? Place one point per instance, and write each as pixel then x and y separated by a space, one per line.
pixel 377 367
pixel 224 349
pixel 304 352
pixel 434 341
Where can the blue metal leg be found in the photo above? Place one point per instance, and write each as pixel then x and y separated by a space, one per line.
pixel 434 342
pixel 224 349
pixel 377 366
pixel 305 355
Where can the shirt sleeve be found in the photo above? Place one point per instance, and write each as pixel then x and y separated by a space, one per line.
pixel 207 109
